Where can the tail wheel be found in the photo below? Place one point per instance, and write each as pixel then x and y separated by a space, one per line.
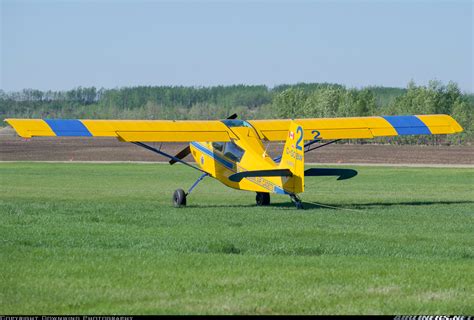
pixel 179 198
pixel 263 199
pixel 297 201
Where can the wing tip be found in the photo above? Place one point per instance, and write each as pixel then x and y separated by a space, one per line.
pixel 16 124
pixel 446 121
pixel 456 126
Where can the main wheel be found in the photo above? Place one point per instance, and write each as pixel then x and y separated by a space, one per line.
pixel 262 199
pixel 179 198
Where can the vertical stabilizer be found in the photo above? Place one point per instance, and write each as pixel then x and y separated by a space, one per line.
pixel 293 158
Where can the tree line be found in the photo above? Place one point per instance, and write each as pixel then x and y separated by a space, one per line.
pixel 302 100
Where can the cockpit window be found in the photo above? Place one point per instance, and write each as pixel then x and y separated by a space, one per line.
pixel 233 151
pixel 236 123
pixel 218 146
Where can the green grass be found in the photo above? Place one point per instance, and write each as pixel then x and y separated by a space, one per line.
pixel 104 238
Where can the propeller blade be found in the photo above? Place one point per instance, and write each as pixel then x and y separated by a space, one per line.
pixel 180 155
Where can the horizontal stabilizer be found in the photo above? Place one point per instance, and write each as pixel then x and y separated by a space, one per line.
pixel 323 172
pixel 236 177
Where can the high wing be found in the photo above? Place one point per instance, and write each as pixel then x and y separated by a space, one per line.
pixel 215 130
pixel 359 127
pixel 126 130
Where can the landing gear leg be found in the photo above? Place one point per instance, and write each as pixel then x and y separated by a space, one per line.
pixel 262 199
pixel 179 196
pixel 297 201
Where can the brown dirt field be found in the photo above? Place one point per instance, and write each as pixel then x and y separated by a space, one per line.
pixel 14 148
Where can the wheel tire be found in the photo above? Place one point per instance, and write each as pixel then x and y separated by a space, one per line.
pixel 262 199
pixel 179 198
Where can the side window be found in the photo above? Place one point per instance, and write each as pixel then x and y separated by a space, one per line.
pixel 218 146
pixel 233 151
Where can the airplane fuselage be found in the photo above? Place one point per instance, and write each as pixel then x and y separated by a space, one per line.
pixel 223 159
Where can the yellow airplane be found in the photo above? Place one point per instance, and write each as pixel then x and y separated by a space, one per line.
pixel 232 150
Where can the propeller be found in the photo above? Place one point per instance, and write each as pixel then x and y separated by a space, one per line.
pixel 183 153
pixel 180 155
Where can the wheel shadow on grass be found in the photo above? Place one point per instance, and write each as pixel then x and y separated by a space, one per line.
pixel 203 206
pixel 308 205
pixel 281 205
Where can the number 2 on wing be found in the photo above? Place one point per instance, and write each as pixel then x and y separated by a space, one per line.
pixel 317 134
pixel 298 142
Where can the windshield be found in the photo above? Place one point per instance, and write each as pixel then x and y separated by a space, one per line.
pixel 236 123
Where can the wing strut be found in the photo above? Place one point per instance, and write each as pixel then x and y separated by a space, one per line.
pixel 143 145
pixel 317 147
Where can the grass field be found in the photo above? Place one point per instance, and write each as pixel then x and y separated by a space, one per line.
pixel 104 238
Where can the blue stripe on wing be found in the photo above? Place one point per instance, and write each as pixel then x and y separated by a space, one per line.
pixel 68 128
pixel 405 125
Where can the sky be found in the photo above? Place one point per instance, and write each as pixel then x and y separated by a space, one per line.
pixel 60 45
